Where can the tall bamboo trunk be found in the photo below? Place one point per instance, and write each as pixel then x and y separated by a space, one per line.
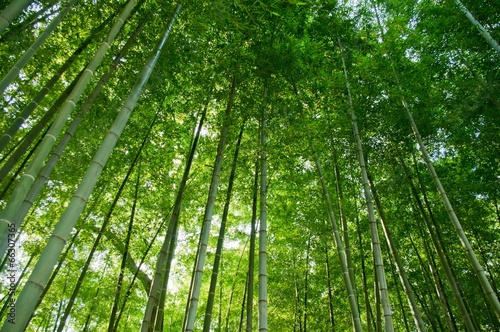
pixel 41 273
pixel 130 286
pixel 298 309
pixel 329 286
pixel 363 270
pixel 49 166
pixel 448 266
pixel 377 252
pixel 19 169
pixel 478 269
pixel 28 110
pixel 207 219
pixel 233 286
pixel 16 69
pixel 36 164
pixel 353 303
pixel 436 291
pixel 11 11
pixel 343 221
pixel 251 253
pixel 35 17
pixel 220 241
pixel 486 35
pixel 417 317
pixel 36 130
pixel 100 234
pixel 398 292
pixel 119 283
pixel 442 259
pixel 243 304
pixel 263 222
pixel 168 246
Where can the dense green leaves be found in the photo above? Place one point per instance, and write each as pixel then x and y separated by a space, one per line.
pixel 424 52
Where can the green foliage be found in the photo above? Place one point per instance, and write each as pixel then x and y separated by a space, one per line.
pixel 448 75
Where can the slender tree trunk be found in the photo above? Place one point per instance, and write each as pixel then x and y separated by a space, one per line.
pixel 59 309
pixel 159 311
pixel 19 169
pixel 429 313
pixel 11 12
pixel 28 110
pixel 343 221
pixel 171 237
pixel 377 252
pixel 440 289
pixel 91 310
pixel 378 309
pixel 169 242
pixel 226 329
pixel 70 132
pixel 35 165
pixel 119 283
pixel 478 269
pixel 100 234
pixel 398 292
pixel 48 259
pixel 442 259
pixel 341 253
pixel 306 282
pixel 243 303
pixel 437 290
pixel 14 147
pixel 89 315
pixel 448 266
pixel 329 285
pixel 220 241
pixel 30 20
pixel 16 69
pixel 417 318
pixel 129 289
pixel 486 35
pixel 298 310
pixel 35 131
pixel 251 254
pixel 363 270
pixel 263 222
pixel 219 323
pixel 207 219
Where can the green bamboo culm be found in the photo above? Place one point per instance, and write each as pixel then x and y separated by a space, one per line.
pixel 48 259
pixel 476 265
pixel 193 300
pixel 26 180
pixel 263 327
pixel 70 132
pixel 376 249
pixel 28 110
pixel 16 69
pixel 169 242
pixel 356 321
pixel 486 35
pixel 10 13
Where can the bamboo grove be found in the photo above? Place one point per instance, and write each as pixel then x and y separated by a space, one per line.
pixel 275 165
